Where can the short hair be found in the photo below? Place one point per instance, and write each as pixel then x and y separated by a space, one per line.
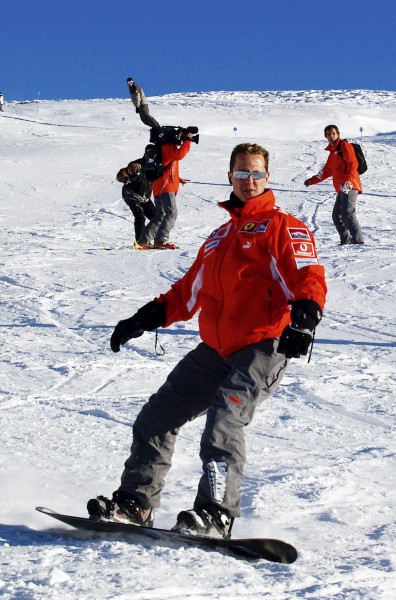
pixel 328 127
pixel 249 148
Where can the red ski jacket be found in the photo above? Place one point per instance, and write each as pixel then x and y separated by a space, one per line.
pixel 342 169
pixel 170 180
pixel 245 275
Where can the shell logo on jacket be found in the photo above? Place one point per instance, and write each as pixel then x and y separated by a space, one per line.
pixel 245 276
pixel 341 169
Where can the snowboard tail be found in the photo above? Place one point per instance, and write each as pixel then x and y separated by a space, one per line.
pixel 253 548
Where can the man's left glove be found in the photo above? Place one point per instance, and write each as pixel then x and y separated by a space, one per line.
pixel 297 337
pixel 346 187
pixel 149 317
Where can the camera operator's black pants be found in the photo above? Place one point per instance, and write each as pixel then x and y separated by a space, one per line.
pixel 228 391
pixel 142 209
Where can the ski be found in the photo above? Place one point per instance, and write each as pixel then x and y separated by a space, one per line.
pixel 269 549
pixel 109 248
pixel 133 248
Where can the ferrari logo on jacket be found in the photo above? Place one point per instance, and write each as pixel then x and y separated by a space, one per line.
pixel 248 226
pixel 254 227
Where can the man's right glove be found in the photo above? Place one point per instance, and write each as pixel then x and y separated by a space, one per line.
pixel 297 337
pixel 149 317
pixel 308 182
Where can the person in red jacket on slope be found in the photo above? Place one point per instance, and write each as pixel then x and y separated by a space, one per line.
pixel 165 190
pixel 343 168
pixel 260 291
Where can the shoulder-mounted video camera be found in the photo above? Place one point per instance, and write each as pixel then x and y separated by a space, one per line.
pixel 170 134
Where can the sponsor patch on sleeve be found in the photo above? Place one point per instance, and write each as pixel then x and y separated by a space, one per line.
pixel 298 233
pixel 303 249
pixel 305 262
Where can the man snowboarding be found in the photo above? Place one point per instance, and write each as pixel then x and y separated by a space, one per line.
pixel 246 276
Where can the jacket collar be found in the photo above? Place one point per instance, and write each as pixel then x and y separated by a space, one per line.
pixel 236 207
pixel 329 147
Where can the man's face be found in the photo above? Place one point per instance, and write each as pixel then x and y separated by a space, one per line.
pixel 332 135
pixel 245 189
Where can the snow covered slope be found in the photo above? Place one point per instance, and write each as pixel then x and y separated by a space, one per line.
pixel 321 452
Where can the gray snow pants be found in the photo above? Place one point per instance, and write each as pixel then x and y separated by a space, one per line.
pixel 227 391
pixel 146 118
pixel 345 220
pixel 163 221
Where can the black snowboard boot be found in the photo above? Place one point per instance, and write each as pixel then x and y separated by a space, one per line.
pixel 100 508
pixel 207 520
pixel 123 508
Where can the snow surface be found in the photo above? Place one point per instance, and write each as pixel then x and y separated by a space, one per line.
pixel 321 452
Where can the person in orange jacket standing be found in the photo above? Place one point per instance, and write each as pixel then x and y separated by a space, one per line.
pixel 165 189
pixel 342 165
pixel 260 290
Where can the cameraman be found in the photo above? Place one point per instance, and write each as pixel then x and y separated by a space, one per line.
pixel 165 189
pixel 136 193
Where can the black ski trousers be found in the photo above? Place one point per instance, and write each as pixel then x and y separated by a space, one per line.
pixel 142 209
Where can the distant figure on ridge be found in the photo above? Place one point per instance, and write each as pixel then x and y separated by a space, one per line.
pixel 140 102
pixel 342 165
pixel 1 102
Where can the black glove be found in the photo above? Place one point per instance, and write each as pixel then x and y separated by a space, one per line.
pixel 149 317
pixel 297 337
pixel 137 109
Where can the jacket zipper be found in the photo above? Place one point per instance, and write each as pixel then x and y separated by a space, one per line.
pixel 229 239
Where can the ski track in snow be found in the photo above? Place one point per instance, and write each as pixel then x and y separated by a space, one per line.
pixel 321 452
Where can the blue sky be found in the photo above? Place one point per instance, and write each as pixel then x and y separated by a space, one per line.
pixel 54 49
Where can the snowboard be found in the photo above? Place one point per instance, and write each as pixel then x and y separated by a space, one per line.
pixel 251 548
